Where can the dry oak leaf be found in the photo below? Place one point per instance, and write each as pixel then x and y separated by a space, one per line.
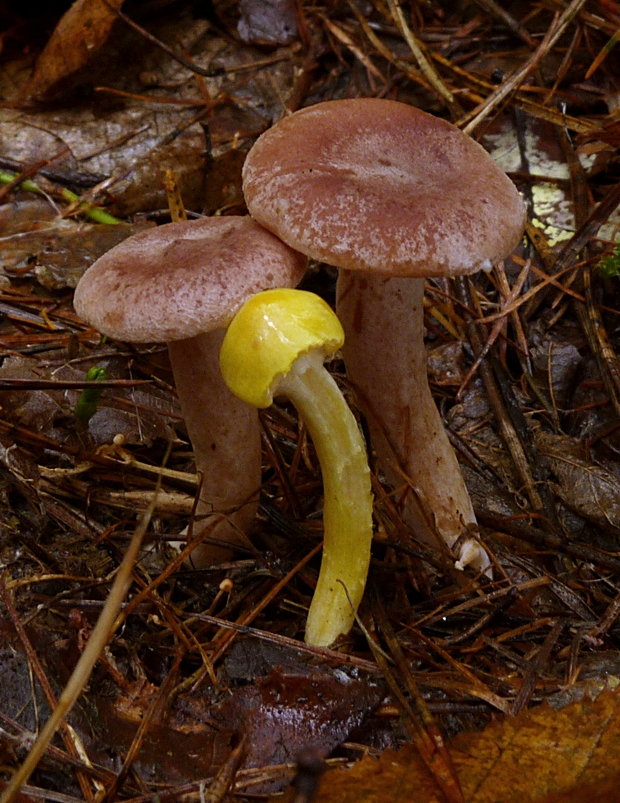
pixel 82 30
pixel 540 753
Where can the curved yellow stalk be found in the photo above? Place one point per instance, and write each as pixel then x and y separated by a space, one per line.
pixel 276 344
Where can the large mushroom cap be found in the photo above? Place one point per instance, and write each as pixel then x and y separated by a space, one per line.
pixel 181 279
pixel 370 184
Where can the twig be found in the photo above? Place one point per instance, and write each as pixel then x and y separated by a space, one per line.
pixel 430 746
pixel 582 236
pixel 497 328
pixel 602 347
pixel 225 779
pixel 100 636
pixel 424 64
pixel 506 428
pixel 428 737
pixel 473 119
pixel 519 99
pixel 538 665
pixel 68 734
pixel 551 542
pixel 343 37
pixel 274 591
pixel 78 384
pixel 495 10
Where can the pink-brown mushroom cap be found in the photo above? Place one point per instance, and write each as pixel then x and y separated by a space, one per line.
pixel 377 185
pixel 181 279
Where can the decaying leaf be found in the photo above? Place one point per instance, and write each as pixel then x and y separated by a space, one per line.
pixel 223 185
pixel 590 490
pixel 140 415
pixel 280 713
pixel 446 364
pixel 142 188
pixel 66 491
pixel 36 242
pixel 268 22
pixel 606 791
pixel 78 36
pixel 520 760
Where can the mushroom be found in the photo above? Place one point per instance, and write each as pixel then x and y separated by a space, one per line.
pixel 182 283
pixel 390 195
pixel 276 344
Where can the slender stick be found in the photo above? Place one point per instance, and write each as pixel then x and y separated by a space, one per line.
pixel 97 641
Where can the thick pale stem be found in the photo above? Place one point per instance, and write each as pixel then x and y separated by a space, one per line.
pixel 347 507
pixel 225 435
pixel 383 319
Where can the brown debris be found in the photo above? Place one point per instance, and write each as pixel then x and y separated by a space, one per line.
pixel 206 690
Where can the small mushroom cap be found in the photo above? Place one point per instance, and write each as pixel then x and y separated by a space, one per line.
pixel 270 331
pixel 181 279
pixel 377 185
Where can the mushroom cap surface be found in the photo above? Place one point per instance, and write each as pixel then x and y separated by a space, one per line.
pixel 268 334
pixel 377 185
pixel 181 279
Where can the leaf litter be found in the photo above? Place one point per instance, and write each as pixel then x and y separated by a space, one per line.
pixel 206 658
pixel 523 759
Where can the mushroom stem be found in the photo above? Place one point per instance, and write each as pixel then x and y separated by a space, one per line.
pixel 384 352
pixel 225 434
pixel 176 283
pixel 347 505
pixel 276 344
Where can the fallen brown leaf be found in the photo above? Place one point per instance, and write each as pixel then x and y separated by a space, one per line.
pixel 590 490
pixel 539 753
pixel 77 37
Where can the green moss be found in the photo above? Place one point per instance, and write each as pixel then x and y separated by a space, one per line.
pixel 609 267
pixel 88 402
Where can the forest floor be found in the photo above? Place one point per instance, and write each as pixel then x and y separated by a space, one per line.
pixel 208 672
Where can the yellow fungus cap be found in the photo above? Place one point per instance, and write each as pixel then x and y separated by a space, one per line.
pixel 270 331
